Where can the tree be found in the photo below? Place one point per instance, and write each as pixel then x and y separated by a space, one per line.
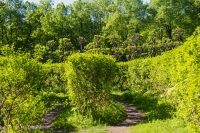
pixel 2 21
pixel 173 14
pixel 116 25
pixel 13 26
pixel 55 23
pixel 65 48
pixel 81 21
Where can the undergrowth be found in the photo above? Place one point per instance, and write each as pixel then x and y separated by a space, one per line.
pixel 150 105
pixel 110 114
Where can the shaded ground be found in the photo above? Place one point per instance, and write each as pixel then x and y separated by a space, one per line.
pixel 134 116
pixel 48 119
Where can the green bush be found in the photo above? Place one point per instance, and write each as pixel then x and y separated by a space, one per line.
pixel 28 89
pixel 56 80
pixel 20 78
pixel 112 113
pixel 130 52
pixel 121 83
pixel 173 77
pixel 90 78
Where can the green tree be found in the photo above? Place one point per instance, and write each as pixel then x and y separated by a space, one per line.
pixel 65 48
pixel 170 15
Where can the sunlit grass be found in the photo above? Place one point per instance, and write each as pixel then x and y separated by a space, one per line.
pixel 160 126
pixel 95 129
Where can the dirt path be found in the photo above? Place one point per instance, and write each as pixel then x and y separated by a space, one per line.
pixel 48 119
pixel 134 116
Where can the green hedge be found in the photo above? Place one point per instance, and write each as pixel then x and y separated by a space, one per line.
pixel 173 76
pixel 56 80
pixel 121 83
pixel 28 89
pixel 20 79
pixel 90 79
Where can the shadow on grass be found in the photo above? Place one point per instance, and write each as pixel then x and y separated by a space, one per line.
pixel 149 105
pixel 61 121
pixel 111 114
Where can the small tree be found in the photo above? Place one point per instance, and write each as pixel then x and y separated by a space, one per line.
pixel 90 80
pixel 65 46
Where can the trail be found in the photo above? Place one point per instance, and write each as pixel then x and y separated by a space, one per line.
pixel 48 119
pixel 134 116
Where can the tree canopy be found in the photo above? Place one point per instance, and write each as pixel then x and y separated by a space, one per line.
pixel 118 22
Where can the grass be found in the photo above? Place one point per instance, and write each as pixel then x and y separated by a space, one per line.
pixel 95 129
pixel 159 115
pixel 150 105
pixel 161 126
pixel 117 93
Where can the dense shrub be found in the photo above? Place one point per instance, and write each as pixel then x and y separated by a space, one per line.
pixel 56 80
pixel 106 51
pixel 121 83
pixel 20 78
pixel 90 78
pixel 112 113
pixel 28 89
pixel 172 76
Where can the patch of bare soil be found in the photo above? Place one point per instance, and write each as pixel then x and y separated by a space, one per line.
pixel 134 116
pixel 48 119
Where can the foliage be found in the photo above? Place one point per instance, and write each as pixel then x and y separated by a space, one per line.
pixel 28 89
pixel 172 76
pixel 133 52
pixel 126 30
pixel 39 52
pixel 122 76
pixel 30 112
pixel 150 105
pixel 127 53
pixel 90 78
pixel 20 78
pixel 56 80
pixel 98 23
pixel 110 114
pixel 98 42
